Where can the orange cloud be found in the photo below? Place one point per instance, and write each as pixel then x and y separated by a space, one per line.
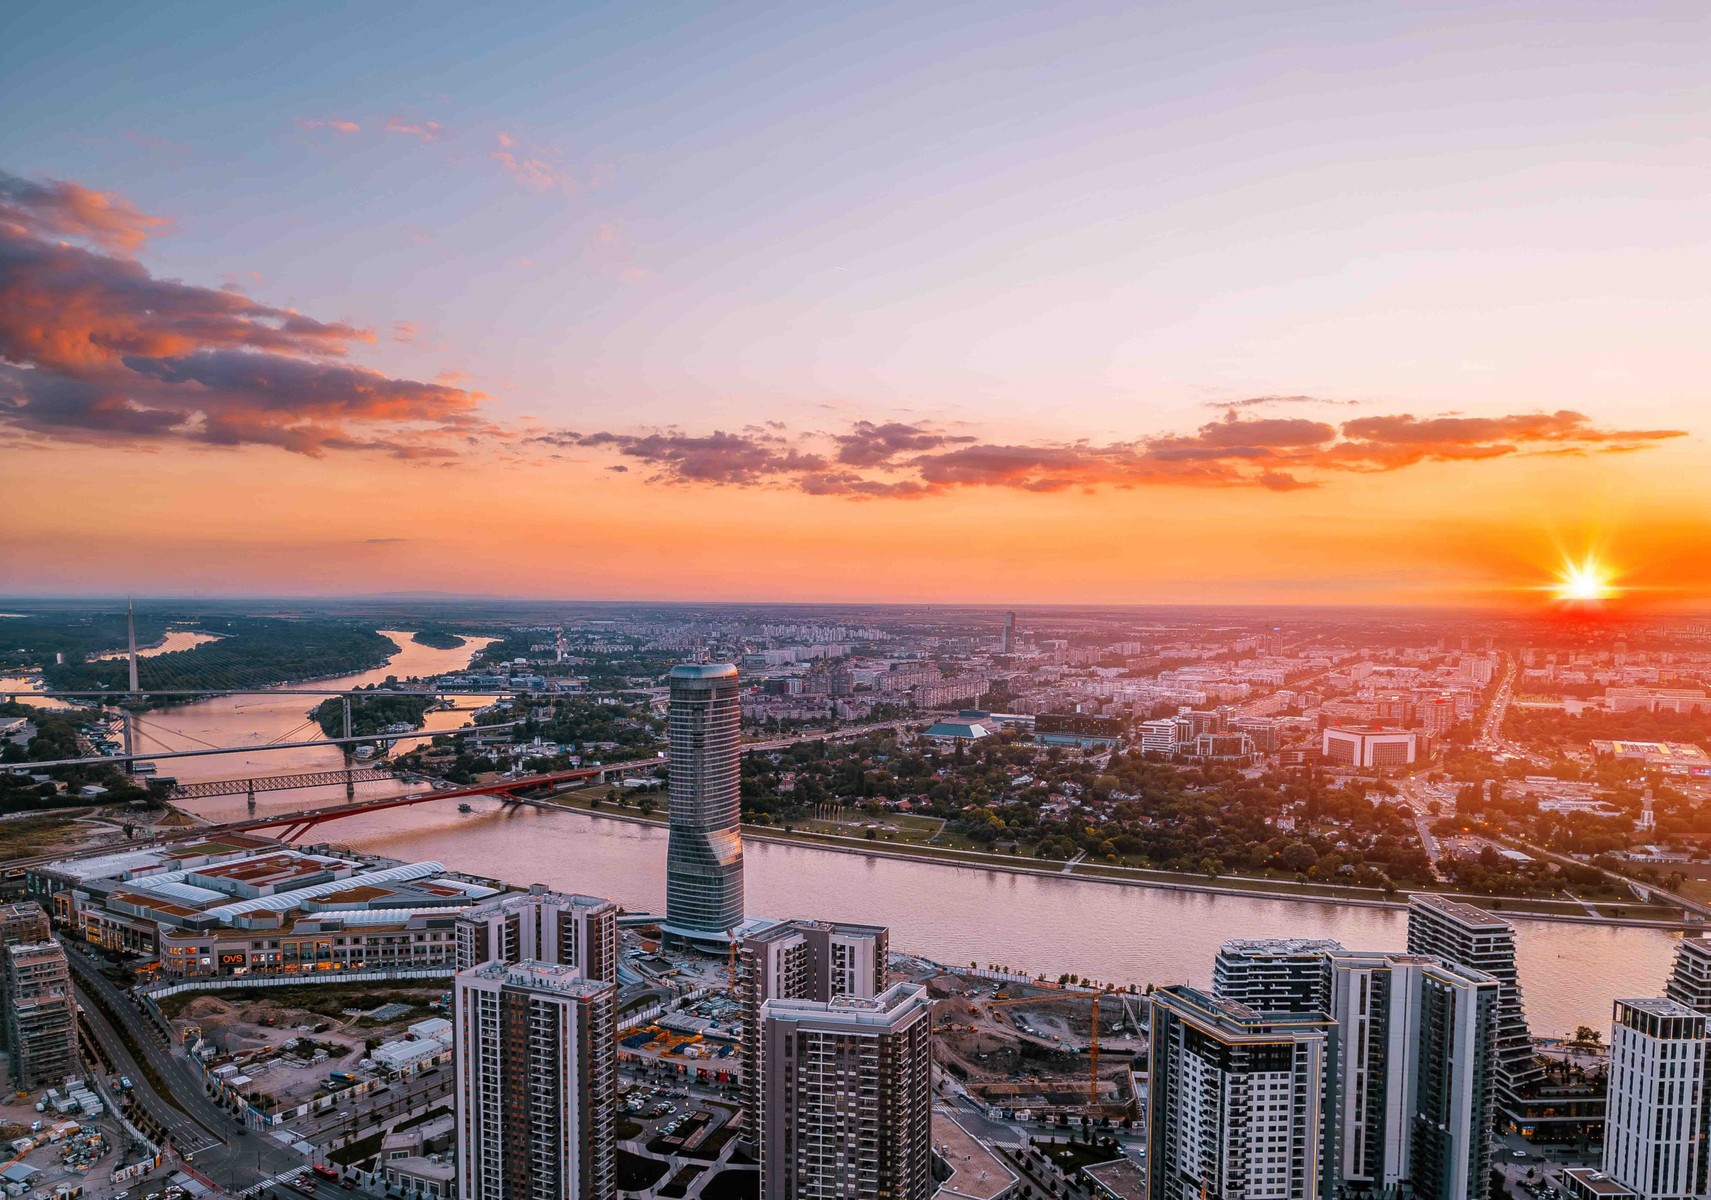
pixel 1281 454
pixel 93 347
pixel 55 208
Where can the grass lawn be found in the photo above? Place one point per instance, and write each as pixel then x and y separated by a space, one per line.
pixel 36 835
pixel 1071 1156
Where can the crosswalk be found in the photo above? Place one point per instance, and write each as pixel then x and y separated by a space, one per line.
pixel 264 1185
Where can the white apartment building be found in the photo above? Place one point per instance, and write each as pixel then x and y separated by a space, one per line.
pixel 1654 1134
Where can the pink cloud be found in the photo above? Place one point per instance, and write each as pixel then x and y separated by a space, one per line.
pixel 530 168
pixel 428 131
pixel 330 125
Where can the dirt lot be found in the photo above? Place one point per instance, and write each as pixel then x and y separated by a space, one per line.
pixel 289 1039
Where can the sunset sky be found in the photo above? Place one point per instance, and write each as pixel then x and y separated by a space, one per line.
pixel 1083 302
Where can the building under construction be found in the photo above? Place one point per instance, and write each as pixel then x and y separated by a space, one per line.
pixel 41 1017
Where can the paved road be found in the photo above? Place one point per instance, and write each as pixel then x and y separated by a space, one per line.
pixel 187 1135
pixel 210 1135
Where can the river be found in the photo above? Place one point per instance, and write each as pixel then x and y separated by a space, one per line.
pixel 175 640
pixel 1570 973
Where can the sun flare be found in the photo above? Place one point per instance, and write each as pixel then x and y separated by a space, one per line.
pixel 1584 581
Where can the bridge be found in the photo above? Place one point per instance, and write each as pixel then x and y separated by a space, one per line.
pixel 293 826
pixel 477 731
pixel 280 783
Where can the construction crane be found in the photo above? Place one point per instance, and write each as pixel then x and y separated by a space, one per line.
pixel 1093 1042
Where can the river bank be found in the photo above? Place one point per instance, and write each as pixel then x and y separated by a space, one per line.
pixel 1516 907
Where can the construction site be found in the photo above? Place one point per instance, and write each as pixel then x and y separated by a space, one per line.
pixel 1038 1051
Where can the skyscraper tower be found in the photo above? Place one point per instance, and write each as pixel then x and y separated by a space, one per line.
pixel 1009 644
pixel 704 859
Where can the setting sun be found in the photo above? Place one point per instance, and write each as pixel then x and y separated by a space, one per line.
pixel 1586 580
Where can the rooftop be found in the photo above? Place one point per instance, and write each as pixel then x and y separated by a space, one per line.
pixel 976 1172
pixel 1467 914
pixel 704 671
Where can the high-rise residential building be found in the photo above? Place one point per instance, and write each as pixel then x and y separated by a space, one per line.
pixel 541 926
pixel 704 859
pixel 804 960
pixel 1656 1127
pixel 41 1014
pixel 1275 974
pixel 1690 979
pixel 1237 1100
pixel 537 1071
pixel 1472 937
pixel 21 923
pixel 1412 1101
pixel 1008 646
pixel 846 1097
pixel 1454 1090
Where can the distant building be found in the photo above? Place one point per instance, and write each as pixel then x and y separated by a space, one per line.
pixel 1438 715
pixel 1237 1100
pixel 537 1071
pixel 1369 746
pixel 542 926
pixel 1158 737
pixel 1263 731
pixel 1675 758
pixel 804 960
pixel 957 730
pixel 1224 747
pixel 1654 1136
pixel 1008 644
pixel 846 1097
pixel 41 1016
pixel 1077 729
pixel 1398 711
pixel 704 858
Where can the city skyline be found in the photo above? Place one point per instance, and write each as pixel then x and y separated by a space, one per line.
pixel 1143 306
